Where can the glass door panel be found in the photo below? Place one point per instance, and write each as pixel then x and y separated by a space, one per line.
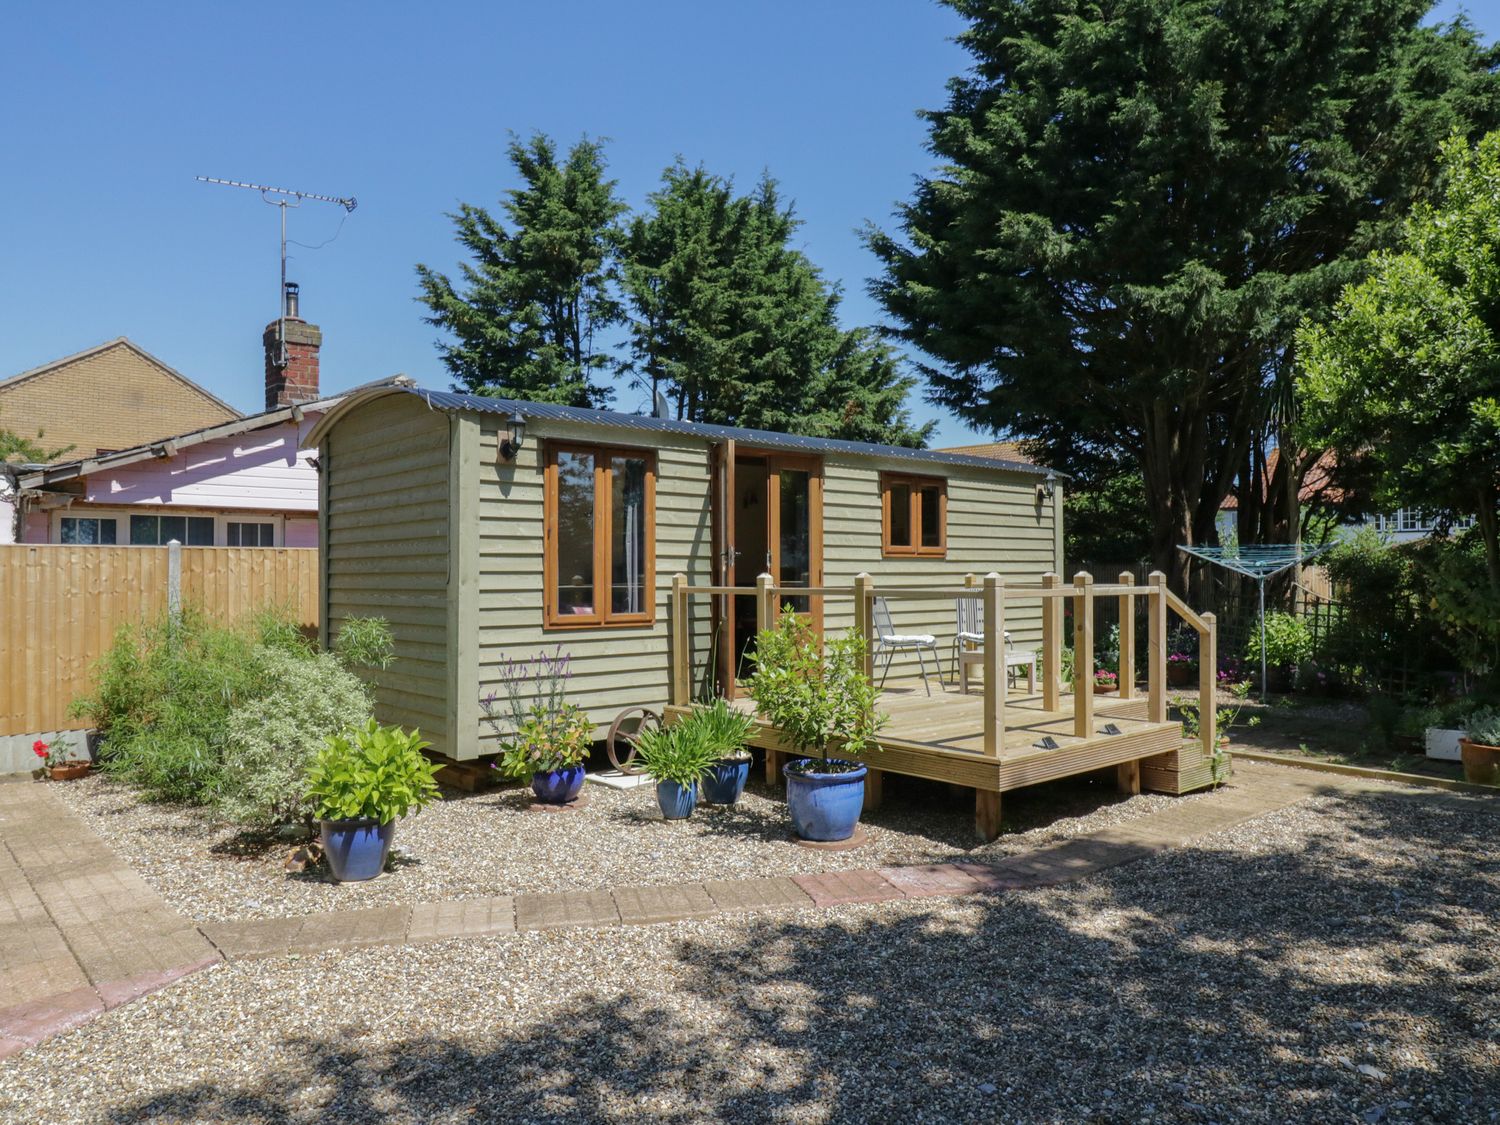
pixel 794 539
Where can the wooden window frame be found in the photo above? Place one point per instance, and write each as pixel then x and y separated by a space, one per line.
pixel 915 484
pixel 604 617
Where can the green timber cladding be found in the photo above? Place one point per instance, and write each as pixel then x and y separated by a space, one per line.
pixel 426 524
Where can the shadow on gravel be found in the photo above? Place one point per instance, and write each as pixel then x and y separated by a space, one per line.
pixel 1347 972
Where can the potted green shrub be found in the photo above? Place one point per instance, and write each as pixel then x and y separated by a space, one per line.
pixel 816 695
pixel 362 782
pixel 547 739
pixel 726 730
pixel 676 757
pixel 1182 669
pixel 1481 747
pixel 1288 647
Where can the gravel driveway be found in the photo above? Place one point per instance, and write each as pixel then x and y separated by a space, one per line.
pixel 1335 961
pixel 488 844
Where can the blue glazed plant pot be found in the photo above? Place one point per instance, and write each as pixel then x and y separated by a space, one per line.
pixel 824 806
pixel 356 850
pixel 557 787
pixel 677 801
pixel 725 780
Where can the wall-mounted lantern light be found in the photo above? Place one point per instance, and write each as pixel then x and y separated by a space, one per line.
pixel 1048 488
pixel 511 445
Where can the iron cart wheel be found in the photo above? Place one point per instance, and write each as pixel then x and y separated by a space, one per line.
pixel 622 734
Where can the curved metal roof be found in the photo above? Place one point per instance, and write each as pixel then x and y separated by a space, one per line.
pixel 483 404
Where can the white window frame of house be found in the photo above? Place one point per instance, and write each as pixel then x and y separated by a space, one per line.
pixel 221 519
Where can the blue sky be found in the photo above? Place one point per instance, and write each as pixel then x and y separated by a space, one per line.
pixel 113 109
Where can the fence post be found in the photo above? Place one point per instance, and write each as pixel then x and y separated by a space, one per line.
pixel 1127 638
pixel 1156 655
pixel 680 675
pixel 1051 643
pixel 1208 686
pixel 1083 655
pixel 994 665
pixel 765 586
pixel 174 579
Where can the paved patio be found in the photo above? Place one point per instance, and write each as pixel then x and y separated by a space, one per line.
pixel 80 932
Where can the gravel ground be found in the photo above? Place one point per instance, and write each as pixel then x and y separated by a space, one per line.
pixel 1334 961
pixel 469 846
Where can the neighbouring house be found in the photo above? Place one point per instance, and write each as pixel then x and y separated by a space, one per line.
pixel 998 450
pixel 239 481
pixel 486 529
pixel 110 397
pixel 1404 525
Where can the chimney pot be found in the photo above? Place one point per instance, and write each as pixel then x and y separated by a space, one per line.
pixel 291 303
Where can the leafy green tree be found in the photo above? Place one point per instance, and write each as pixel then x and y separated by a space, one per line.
pixel 1404 379
pixel 1138 200
pixel 538 293
pixel 733 325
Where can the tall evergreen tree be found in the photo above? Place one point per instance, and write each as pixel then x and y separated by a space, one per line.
pixel 735 326
pixel 538 292
pixel 1139 199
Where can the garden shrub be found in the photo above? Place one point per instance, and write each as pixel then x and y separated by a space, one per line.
pixel 197 712
pixel 1288 643
pixel 272 739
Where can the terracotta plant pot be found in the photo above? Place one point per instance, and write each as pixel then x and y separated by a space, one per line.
pixel 1105 689
pixel 1481 762
pixel 68 771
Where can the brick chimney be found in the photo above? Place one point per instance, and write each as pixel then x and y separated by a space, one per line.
pixel 292 373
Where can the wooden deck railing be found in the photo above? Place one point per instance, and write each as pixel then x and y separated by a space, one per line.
pixel 995 594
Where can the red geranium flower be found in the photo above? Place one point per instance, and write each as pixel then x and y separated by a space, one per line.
pixel 39 748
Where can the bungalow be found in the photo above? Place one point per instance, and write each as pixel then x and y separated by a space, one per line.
pixel 485 529
pixel 236 482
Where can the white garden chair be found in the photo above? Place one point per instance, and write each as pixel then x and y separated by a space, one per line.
pixel 890 642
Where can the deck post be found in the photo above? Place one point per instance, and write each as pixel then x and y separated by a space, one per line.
pixel 1156 654
pixel 874 789
pixel 1127 638
pixel 681 691
pixel 1083 655
pixel 765 593
pixel 994 664
pixel 1051 643
pixel 864 594
pixel 987 814
pixel 1208 686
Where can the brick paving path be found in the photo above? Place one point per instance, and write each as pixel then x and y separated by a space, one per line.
pixel 80 932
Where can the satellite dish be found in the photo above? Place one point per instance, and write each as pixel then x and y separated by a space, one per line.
pixel 659 407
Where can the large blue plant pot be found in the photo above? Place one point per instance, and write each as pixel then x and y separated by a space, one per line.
pixel 356 850
pixel 557 787
pixel 677 801
pixel 725 780
pixel 824 806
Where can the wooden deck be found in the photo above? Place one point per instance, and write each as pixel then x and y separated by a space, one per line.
pixel 941 738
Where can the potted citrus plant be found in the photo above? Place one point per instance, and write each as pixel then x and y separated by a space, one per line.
pixel 817 696
pixel 677 758
pixel 547 738
pixel 361 783
pixel 1480 747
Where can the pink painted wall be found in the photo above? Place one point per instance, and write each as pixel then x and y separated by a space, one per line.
pixel 34 530
pixel 261 470
pixel 300 533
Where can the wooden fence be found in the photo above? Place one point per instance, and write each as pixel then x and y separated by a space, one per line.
pixel 60 606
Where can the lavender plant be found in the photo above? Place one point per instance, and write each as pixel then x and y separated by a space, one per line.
pixel 539 729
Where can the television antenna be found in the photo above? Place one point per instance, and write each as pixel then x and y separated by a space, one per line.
pixel 283 198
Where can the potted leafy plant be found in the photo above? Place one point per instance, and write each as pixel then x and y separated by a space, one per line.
pixel 55 761
pixel 1288 647
pixel 363 781
pixel 1105 681
pixel 1481 747
pixel 548 738
pixel 726 732
pixel 817 695
pixel 677 758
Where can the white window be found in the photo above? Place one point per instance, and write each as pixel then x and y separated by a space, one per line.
pixel 239 533
pixel 88 530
